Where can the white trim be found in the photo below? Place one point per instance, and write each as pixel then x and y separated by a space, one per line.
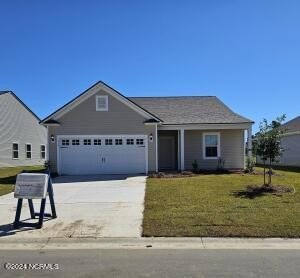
pixel 26 151
pixel 47 154
pixel 146 154
pixel 178 149
pixel 204 146
pixel 97 103
pixel 182 149
pixel 249 142
pixel 59 137
pixel 58 158
pixel 156 149
pixel 12 150
pixel 205 126
pixel 96 89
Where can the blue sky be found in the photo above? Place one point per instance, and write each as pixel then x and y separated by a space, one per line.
pixel 245 52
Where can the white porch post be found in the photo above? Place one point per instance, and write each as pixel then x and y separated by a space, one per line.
pixel 249 140
pixel 156 149
pixel 182 149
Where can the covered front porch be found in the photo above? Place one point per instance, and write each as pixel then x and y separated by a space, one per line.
pixel 210 147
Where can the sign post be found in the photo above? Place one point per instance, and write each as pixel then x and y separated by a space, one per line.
pixel 33 186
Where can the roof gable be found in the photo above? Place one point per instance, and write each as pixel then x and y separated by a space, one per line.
pixel 21 102
pixel 292 125
pixel 93 90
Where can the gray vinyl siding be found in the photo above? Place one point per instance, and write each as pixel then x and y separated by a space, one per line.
pixel 85 120
pixel 18 125
pixel 232 149
pixel 291 155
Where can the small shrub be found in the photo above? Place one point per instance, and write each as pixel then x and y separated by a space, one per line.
pixel 195 166
pixel 250 165
pixel 221 163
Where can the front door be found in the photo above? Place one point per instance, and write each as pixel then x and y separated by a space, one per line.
pixel 166 153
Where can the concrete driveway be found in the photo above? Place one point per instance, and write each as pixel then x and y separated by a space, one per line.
pixel 87 206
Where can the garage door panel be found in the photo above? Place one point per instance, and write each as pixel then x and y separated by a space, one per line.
pixel 103 159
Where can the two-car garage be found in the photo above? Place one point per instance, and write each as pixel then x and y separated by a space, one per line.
pixel 102 154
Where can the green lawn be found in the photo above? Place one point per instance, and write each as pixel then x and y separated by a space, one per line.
pixel 8 177
pixel 216 206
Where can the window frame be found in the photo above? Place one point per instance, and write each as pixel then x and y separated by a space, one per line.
pixel 97 141
pixel 204 145
pixel 42 145
pixel 140 141
pixel 130 141
pixel 65 142
pixel 12 150
pixel 107 142
pixel 28 144
pixel 75 140
pixel 87 141
pixel 118 141
pixel 97 106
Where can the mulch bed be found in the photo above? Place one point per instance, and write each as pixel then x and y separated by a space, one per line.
pixel 253 191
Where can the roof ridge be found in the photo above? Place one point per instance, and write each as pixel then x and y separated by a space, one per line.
pixel 172 96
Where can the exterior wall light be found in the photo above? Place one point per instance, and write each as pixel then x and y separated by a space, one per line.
pixel 151 138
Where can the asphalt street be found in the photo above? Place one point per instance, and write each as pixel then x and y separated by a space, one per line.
pixel 152 263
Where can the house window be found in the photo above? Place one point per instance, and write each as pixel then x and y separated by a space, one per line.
pixel 75 142
pixel 140 141
pixel 43 151
pixel 87 142
pixel 211 145
pixel 130 142
pixel 28 151
pixel 97 141
pixel 15 150
pixel 118 141
pixel 101 103
pixel 108 142
pixel 65 142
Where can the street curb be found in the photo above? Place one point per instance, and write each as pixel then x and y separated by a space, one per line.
pixel 149 243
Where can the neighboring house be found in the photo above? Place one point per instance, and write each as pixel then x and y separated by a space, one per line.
pixel 23 140
pixel 103 132
pixel 291 143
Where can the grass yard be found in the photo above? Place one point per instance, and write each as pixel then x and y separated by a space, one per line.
pixel 8 177
pixel 216 206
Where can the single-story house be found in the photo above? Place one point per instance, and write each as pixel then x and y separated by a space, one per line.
pixel 23 141
pixel 103 132
pixel 290 142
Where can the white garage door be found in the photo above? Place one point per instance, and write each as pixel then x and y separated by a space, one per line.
pixel 121 154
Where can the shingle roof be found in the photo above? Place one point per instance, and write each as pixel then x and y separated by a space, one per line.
pixel 190 110
pixel 292 125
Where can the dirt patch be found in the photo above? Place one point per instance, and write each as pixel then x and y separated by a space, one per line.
pixel 253 191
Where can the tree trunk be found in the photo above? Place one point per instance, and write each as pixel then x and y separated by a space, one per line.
pixel 270 172
pixel 264 172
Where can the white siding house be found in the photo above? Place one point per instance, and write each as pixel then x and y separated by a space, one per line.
pixel 22 139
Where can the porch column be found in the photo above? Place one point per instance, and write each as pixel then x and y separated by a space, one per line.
pixel 156 149
pixel 182 149
pixel 249 142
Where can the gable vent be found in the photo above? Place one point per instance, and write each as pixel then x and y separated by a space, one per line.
pixel 101 103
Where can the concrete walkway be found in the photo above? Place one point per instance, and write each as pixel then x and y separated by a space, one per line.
pixel 149 243
pixel 87 206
